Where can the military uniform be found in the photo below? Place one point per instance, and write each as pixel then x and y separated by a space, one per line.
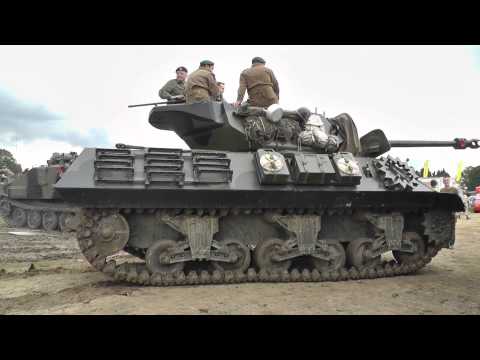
pixel 201 86
pixel 449 189
pixel 261 84
pixel 173 87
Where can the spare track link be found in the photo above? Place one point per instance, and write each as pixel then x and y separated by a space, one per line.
pixel 137 273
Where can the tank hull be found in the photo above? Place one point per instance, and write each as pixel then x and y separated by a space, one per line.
pixel 227 216
pixel 243 191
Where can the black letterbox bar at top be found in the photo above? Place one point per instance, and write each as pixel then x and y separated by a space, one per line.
pixel 100 151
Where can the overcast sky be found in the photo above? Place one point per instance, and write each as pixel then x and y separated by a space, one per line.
pixel 62 98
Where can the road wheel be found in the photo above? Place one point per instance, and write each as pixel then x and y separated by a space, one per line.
pixel 264 255
pixel 19 217
pixel 157 252
pixel 243 256
pixel 50 220
pixel 357 254
pixel 337 261
pixel 34 219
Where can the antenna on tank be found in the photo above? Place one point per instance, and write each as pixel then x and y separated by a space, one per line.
pixel 316 110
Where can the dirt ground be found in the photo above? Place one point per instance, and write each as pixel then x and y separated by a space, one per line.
pixel 45 273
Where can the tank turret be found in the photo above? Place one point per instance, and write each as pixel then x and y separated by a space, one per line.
pixel 219 126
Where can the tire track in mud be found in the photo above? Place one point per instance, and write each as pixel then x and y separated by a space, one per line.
pixel 43 301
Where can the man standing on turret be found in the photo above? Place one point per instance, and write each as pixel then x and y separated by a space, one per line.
pixel 201 84
pixel 175 88
pixel 261 84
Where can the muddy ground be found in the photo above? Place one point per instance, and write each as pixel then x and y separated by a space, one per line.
pixel 45 273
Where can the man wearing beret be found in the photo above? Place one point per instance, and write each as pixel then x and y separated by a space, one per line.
pixel 261 84
pixel 201 84
pixel 175 88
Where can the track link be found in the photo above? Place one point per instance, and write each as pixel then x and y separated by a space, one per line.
pixel 137 273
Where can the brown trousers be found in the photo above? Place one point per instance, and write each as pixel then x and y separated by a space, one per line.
pixel 197 94
pixel 262 96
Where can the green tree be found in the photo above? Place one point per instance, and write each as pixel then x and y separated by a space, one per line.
pixel 471 177
pixel 8 161
pixel 438 173
pixel 420 173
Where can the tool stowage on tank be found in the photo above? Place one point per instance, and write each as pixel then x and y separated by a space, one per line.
pixel 251 201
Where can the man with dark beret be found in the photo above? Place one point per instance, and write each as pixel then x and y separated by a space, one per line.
pixel 201 84
pixel 261 84
pixel 175 88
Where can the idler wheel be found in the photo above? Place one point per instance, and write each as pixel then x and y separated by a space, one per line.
pixel 358 254
pixel 5 208
pixel 265 253
pixel 34 219
pixel 111 235
pixel 19 217
pixel 49 220
pixel 336 262
pixel 156 254
pixel 410 258
pixel 242 253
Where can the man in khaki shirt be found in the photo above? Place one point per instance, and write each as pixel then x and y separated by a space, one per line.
pixel 261 84
pixel 201 84
pixel 448 188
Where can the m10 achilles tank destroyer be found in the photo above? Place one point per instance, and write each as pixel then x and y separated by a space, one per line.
pixel 30 199
pixel 262 195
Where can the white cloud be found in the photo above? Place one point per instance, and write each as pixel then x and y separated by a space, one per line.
pixel 411 92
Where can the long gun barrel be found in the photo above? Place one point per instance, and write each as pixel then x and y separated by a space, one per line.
pixel 458 143
pixel 169 102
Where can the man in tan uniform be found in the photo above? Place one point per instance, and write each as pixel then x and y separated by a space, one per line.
pixel 201 84
pixel 448 188
pixel 261 84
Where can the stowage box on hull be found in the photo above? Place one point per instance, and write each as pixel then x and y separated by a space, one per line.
pixel 312 169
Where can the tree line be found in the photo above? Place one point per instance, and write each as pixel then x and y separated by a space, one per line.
pixel 8 161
